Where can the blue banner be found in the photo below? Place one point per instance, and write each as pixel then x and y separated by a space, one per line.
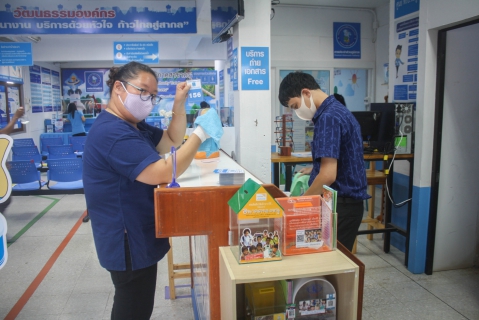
pixel 254 68
pixel 89 17
pixel 16 54
pixel 146 52
pixel 405 7
pixel 234 69
pixel 347 40
pixel 400 92
pixel 221 101
pixel 206 76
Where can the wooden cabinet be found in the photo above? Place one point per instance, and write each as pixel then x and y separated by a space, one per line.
pixel 344 274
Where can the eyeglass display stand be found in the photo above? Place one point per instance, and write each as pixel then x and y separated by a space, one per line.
pixel 284 149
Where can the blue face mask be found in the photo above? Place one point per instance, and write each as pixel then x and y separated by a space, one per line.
pixel 138 108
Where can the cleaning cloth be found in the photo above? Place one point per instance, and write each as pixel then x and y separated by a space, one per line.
pixel 299 184
pixel 211 124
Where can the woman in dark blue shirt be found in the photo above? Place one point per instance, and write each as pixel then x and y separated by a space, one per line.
pixel 122 166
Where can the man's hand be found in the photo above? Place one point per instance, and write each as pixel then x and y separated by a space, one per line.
pixel 19 113
pixel 305 171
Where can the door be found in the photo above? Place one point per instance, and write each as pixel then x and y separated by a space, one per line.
pixel 456 239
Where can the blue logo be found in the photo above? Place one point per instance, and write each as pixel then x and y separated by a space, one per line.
pixel 347 36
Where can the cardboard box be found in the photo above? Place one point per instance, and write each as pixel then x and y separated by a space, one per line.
pixel 253 212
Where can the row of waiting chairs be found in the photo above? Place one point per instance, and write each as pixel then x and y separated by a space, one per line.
pixel 62 174
pixel 52 148
pixel 65 169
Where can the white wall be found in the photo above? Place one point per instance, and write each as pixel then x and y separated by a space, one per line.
pixel 302 39
pixel 253 107
pixel 433 15
pixel 458 203
pixel 382 52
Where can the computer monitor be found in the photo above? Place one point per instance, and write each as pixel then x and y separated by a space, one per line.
pixel 387 126
pixel 369 121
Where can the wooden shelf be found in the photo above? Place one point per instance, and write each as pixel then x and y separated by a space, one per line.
pixel 335 266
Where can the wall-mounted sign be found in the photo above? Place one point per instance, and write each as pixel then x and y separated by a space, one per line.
pixel 405 7
pixel 347 40
pixel 140 51
pixel 206 76
pixel 234 69
pixel 195 95
pixel 405 51
pixel 16 54
pixel 254 68
pixel 88 17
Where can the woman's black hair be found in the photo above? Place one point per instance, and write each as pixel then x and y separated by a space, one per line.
pixel 72 107
pixel 128 72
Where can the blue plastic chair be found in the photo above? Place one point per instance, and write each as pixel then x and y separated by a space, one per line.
pixel 65 174
pixel 78 142
pixel 27 142
pixel 25 175
pixel 45 142
pixel 27 153
pixel 61 152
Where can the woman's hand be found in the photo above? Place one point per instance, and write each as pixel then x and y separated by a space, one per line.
pixel 182 89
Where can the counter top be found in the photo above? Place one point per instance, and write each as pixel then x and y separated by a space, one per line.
pixel 200 172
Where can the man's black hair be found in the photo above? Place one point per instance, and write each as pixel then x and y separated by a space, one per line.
pixel 292 85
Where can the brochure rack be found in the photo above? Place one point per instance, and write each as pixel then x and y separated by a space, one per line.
pixel 200 211
pixel 343 273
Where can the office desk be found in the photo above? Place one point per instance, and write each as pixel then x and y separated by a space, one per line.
pixel 374 177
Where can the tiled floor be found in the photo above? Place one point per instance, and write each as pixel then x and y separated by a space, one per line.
pixel 74 286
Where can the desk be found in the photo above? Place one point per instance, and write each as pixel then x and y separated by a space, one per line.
pixel 373 176
pixel 200 209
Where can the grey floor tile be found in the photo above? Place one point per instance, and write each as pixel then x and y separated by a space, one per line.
pixel 77 287
pixel 80 316
pixel 87 302
pixel 40 304
pixel 434 309
pixel 392 311
pixel 374 296
pixel 385 276
pixel 407 291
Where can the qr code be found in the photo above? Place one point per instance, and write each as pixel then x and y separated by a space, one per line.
pixel 299 236
pixel 330 303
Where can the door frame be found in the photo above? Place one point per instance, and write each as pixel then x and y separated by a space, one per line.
pixel 437 140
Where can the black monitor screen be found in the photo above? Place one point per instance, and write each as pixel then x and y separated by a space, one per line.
pixel 386 135
pixel 369 122
pixel 224 15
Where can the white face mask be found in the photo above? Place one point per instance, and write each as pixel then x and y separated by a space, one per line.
pixel 305 113
pixel 136 106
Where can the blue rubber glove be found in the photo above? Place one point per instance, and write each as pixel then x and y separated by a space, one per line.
pixel 211 124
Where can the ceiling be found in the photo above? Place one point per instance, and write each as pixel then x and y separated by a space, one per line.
pixel 191 42
pixel 336 3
